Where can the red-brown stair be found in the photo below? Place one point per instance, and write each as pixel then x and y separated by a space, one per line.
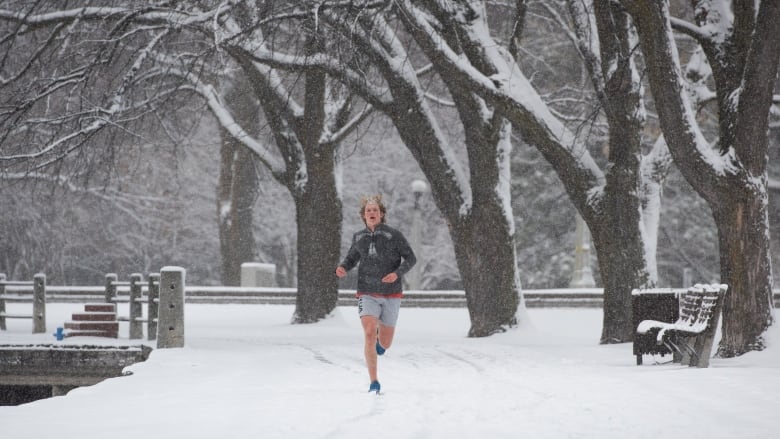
pixel 97 320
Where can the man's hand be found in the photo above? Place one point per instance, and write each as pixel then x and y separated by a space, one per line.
pixel 390 278
pixel 340 271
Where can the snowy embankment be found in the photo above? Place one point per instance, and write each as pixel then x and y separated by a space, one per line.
pixel 246 373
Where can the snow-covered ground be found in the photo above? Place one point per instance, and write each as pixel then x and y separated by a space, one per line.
pixel 246 373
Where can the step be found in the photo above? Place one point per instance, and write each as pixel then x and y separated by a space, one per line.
pixel 100 307
pixel 93 326
pixel 85 333
pixel 94 316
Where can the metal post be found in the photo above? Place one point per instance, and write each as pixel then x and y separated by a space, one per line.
pixel 583 276
pixel 39 303
pixel 136 311
pixel 111 279
pixel 152 306
pixel 170 332
pixel 413 277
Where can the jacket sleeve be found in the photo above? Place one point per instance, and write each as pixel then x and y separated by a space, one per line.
pixel 352 258
pixel 405 250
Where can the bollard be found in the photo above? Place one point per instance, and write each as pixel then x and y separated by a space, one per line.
pixel 39 303
pixel 111 288
pixel 136 310
pixel 256 274
pixel 170 331
pixel 152 306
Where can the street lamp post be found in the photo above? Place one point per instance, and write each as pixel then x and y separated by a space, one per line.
pixel 413 277
pixel 583 276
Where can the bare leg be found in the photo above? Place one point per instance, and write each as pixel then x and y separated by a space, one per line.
pixel 369 348
pixel 386 334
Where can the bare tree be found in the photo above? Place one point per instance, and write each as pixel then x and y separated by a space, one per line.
pixel 620 205
pixel 742 47
pixel 156 64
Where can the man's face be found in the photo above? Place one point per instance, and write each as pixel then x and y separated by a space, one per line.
pixel 372 215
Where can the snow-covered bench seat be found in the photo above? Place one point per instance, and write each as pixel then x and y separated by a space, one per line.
pixel 692 335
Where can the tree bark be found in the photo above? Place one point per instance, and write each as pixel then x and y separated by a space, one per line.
pixel 745 266
pixel 319 219
pixel 482 251
pixel 617 217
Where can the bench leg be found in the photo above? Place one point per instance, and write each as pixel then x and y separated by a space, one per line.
pixel 703 347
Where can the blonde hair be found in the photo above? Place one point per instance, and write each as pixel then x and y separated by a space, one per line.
pixel 372 199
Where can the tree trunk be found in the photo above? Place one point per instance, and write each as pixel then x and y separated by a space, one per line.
pixel 319 218
pixel 483 241
pixel 236 190
pixel 746 268
pixel 485 254
pixel 622 266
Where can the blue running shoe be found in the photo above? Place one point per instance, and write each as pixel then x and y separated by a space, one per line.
pixel 379 349
pixel 374 387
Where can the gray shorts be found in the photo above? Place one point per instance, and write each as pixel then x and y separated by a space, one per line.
pixel 383 308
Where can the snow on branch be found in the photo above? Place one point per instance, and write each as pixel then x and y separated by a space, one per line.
pixel 508 88
pixel 350 126
pixel 227 122
pixel 376 96
pixel 175 17
pixel 684 27
pixel 102 117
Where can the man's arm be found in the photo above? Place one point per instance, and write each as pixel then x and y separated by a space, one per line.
pixel 409 258
pixel 349 262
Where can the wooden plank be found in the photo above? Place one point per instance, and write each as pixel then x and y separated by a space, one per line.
pixel 15 316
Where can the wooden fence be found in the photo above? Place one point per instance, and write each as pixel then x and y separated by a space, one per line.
pixel 135 292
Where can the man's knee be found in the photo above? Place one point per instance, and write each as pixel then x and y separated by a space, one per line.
pixel 370 325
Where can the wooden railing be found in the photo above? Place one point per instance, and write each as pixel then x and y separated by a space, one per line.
pixel 136 292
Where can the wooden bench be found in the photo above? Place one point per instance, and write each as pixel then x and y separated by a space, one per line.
pixel 691 336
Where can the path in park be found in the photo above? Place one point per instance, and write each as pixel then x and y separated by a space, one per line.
pixel 247 373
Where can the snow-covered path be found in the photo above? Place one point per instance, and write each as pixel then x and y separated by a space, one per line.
pixel 247 373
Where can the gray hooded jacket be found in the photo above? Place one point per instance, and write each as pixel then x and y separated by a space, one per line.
pixel 383 251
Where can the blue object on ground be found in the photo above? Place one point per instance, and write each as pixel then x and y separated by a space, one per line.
pixel 60 334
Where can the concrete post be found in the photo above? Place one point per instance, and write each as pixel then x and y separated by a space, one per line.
pixel 39 303
pixel 2 301
pixel 136 310
pixel 583 276
pixel 256 274
pixel 414 276
pixel 111 279
pixel 170 332
pixel 152 306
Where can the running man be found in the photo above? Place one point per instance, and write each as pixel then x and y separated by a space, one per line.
pixel 384 256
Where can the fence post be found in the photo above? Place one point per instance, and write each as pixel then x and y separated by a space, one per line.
pixel 39 303
pixel 2 301
pixel 136 311
pixel 170 333
pixel 152 306
pixel 111 279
